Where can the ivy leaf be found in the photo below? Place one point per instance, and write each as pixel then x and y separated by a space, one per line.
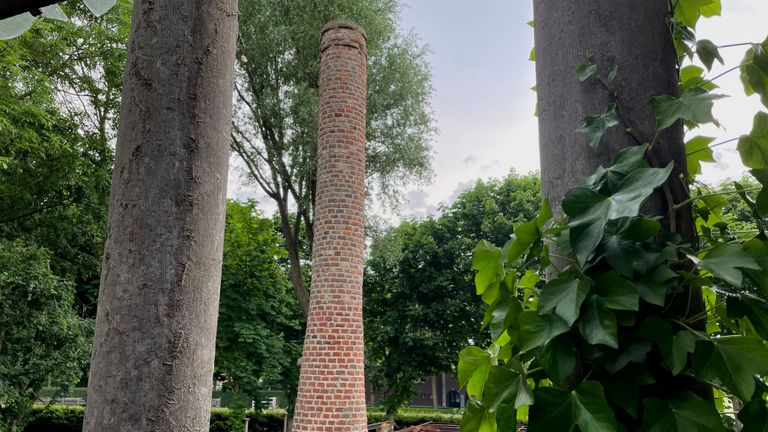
pixel 674 347
pixel 754 308
pixel 598 324
pixel 708 53
pixel 697 151
pixel 694 105
pixel 754 416
pixel 753 148
pixel 585 71
pixel 585 407
pixel 524 236
pixel 616 292
pixel 691 77
pixel 565 296
pixel 758 250
pixel 689 11
pixel 624 388
pixel 508 388
pixel 485 259
pixel 625 161
pixel 732 360
pixel 558 359
pixel 477 419
pixel 595 126
pixel 589 211
pixel 474 364
pixel 653 287
pixel 635 353
pixel 503 312
pixel 754 71
pixel 537 330
pixel 689 414
pixel 725 260
pixel 545 214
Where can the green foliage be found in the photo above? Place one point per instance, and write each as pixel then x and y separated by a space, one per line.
pixel 599 342
pixel 258 340
pixel 754 71
pixel 417 275
pixel 60 87
pixel 70 419
pixel 41 336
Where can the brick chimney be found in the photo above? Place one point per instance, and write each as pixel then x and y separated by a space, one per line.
pixel 331 393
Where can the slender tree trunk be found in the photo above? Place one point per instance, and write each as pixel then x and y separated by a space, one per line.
pixel 636 36
pixel 152 359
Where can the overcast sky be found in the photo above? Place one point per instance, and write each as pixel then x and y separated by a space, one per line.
pixel 484 106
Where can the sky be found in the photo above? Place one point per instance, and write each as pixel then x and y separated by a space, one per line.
pixel 483 102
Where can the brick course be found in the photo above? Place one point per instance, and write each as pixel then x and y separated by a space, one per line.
pixel 332 384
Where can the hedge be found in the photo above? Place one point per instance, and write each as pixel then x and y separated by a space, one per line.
pixel 57 418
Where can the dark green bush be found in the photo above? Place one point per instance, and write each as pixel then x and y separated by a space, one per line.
pixel 57 418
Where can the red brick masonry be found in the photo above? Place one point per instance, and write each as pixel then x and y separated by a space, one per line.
pixel 331 388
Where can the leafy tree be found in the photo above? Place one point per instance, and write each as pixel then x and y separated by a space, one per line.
pixel 60 87
pixel 41 336
pixel 258 339
pixel 275 126
pixel 419 299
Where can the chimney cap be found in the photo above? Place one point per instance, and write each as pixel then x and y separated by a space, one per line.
pixel 344 24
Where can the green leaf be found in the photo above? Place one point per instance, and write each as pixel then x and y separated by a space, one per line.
pixel 754 71
pixel 634 353
pixel 616 292
pixel 564 296
pixel 758 250
pixel 474 364
pixel 585 407
pixel 689 11
pixel 545 214
pixel 753 148
pixel 691 77
pixel 653 287
pixel 624 387
pixel 754 308
pixel 625 161
pixel 697 151
pixel 754 416
pixel 486 260
pixel 598 324
pixel 523 237
pixel 725 260
pixel 477 419
pixel 694 105
pixel 536 330
pixel 732 360
pixel 689 414
pixel 674 347
pixel 589 211
pixel 708 53
pixel 595 126
pixel 503 312
pixel 532 55
pixel 506 389
pixel 585 71
pixel 558 358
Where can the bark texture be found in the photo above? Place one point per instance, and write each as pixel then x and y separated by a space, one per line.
pixel 636 35
pixel 152 362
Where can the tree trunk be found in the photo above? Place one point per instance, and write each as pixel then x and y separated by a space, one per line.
pixel 636 36
pixel 152 359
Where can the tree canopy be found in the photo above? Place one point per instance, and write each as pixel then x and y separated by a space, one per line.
pixel 420 306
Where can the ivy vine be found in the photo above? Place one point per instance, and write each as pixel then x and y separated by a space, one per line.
pixel 588 343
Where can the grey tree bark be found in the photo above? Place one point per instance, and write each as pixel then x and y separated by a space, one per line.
pixel 152 362
pixel 636 36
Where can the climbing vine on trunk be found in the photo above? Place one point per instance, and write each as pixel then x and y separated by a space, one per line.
pixel 594 342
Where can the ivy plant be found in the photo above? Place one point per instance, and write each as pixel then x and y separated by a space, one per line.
pixel 581 308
